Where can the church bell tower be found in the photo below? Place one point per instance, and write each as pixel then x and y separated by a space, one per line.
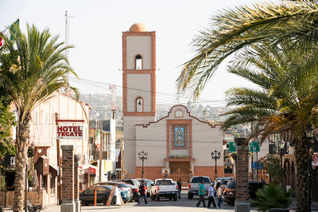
pixel 139 86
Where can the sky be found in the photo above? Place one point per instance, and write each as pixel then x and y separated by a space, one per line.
pixel 95 31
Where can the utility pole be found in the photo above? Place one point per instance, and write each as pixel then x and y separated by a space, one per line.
pixel 58 147
pixel 113 104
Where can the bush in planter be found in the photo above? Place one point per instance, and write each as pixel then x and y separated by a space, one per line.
pixel 272 196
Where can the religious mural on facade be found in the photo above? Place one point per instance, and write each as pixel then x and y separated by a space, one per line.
pixel 179 136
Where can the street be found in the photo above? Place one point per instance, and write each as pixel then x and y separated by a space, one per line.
pixel 181 205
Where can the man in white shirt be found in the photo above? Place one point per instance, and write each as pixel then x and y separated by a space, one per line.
pixel 211 192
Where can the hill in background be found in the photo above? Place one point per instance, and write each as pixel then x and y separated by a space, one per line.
pixel 101 109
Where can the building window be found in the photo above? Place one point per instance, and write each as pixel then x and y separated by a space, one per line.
pixel 178 114
pixel 138 62
pixel 52 184
pixel 139 104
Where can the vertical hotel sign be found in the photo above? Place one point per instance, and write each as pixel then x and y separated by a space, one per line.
pixel 69 132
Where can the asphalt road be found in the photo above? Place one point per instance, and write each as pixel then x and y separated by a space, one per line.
pixel 181 205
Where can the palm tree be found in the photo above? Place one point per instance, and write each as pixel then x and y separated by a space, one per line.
pixel 284 102
pixel 236 29
pixel 33 66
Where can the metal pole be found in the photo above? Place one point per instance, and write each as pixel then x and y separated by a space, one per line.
pixel 59 188
pixel 26 189
pixel 215 169
pixel 142 171
pixel 256 167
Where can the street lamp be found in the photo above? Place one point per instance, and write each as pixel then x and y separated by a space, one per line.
pixel 142 156
pixel 215 155
pixel 309 134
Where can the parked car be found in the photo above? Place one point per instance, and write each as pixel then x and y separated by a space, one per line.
pixel 194 185
pixel 102 195
pixel 148 184
pixel 164 188
pixel 223 181
pixel 134 186
pixel 122 186
pixel 229 190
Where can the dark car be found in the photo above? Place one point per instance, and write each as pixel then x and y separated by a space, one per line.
pixel 102 195
pixel 229 190
pixel 134 185
pixel 122 186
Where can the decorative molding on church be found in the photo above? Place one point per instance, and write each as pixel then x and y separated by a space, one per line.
pixel 179 159
pixel 169 116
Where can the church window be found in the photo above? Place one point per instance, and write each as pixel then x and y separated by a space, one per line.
pixel 179 136
pixel 139 104
pixel 179 114
pixel 138 62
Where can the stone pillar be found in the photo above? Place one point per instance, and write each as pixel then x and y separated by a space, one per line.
pixel 77 158
pixel 241 198
pixel 68 204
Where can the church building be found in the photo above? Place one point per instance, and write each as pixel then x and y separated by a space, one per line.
pixel 179 145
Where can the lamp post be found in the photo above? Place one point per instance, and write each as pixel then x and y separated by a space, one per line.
pixel 215 156
pixel 309 136
pixel 142 156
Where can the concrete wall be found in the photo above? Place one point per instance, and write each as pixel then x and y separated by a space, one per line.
pixel 152 138
pixel 138 85
pixel 130 140
pixel 205 140
pixel 138 45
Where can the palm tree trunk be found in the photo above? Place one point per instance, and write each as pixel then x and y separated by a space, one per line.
pixel 21 146
pixel 302 179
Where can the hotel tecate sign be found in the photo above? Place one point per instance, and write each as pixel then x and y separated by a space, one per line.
pixel 69 132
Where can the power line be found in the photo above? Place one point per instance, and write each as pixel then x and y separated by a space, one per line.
pixel 165 94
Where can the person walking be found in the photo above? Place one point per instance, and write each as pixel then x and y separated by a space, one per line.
pixel 179 184
pixel 142 192
pixel 211 193
pixel 201 194
pixel 219 192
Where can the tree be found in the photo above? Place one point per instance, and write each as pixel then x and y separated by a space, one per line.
pixel 274 170
pixel 33 66
pixel 234 30
pixel 6 121
pixel 284 102
pixel 272 196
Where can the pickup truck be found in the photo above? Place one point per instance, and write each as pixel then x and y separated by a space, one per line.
pixel 164 188
pixel 194 185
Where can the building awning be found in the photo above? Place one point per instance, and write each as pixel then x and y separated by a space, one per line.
pixel 88 168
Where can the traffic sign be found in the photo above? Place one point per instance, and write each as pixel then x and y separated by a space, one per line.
pixel 314 160
pixel 257 165
pixel 232 146
pixel 254 147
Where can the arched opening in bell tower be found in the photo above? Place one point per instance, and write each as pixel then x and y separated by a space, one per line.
pixel 138 62
pixel 139 104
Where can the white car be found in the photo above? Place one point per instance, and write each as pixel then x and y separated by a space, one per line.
pixel 194 185
pixel 164 188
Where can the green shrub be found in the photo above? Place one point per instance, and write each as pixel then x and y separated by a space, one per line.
pixel 272 196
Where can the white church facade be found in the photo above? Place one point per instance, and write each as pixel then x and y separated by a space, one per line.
pixel 179 145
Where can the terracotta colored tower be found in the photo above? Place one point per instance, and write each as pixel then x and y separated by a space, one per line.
pixel 139 87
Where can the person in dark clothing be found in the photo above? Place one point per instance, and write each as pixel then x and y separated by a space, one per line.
pixel 201 194
pixel 142 192
pixel 179 183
